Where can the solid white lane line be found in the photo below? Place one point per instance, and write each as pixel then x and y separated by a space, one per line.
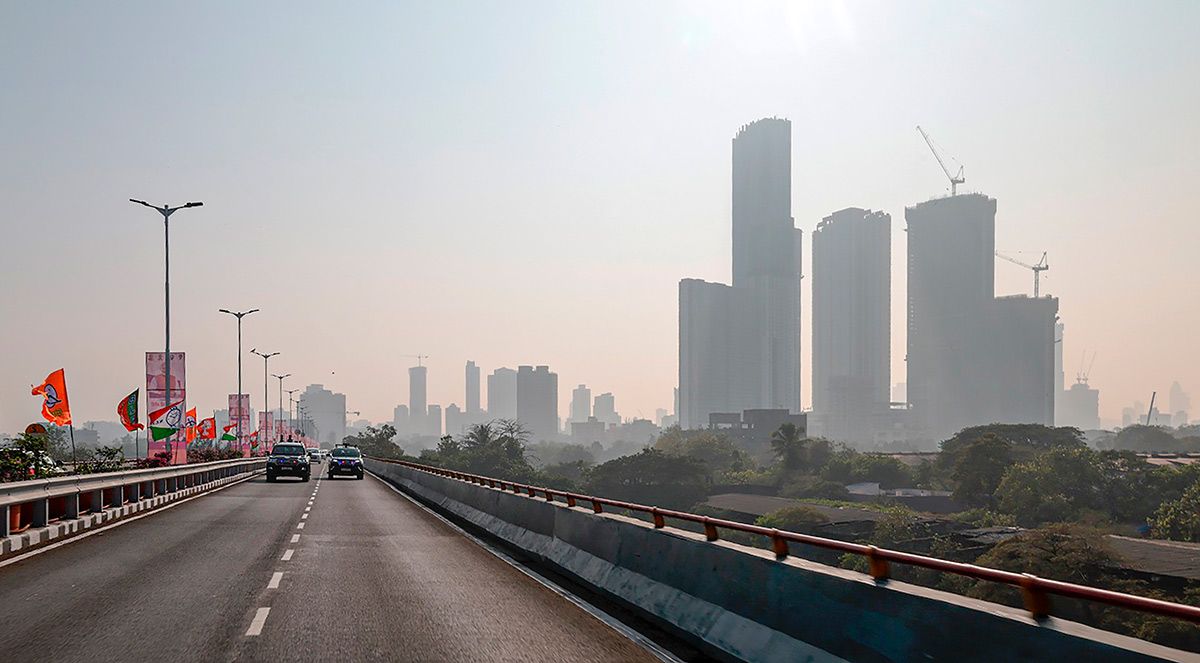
pixel 295 538
pixel 275 578
pixel 287 555
pixel 260 618
pixel 300 526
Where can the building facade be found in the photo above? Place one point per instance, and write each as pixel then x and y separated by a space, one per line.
pixel 537 401
pixel 502 394
pixel 327 410
pixel 851 320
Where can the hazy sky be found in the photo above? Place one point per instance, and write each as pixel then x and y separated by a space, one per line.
pixel 526 182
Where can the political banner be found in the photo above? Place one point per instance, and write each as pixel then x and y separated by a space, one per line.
pixel 240 415
pixel 156 400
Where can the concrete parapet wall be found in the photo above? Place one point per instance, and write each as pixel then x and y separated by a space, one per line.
pixel 742 603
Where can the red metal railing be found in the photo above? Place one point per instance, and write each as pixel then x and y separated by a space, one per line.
pixel 1035 591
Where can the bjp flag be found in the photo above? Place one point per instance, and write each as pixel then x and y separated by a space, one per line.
pixel 55 408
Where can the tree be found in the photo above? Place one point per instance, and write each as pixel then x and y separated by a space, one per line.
pixel 718 452
pixel 1146 438
pixel 848 466
pixel 652 477
pixel 1179 519
pixel 1058 486
pixel 494 449
pixel 376 442
pixel 788 446
pixel 793 519
pixel 978 468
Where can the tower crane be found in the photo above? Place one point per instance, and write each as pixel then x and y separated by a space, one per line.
pixel 419 358
pixel 1082 376
pixel 1037 270
pixel 955 179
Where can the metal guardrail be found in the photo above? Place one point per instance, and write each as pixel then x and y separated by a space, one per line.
pixel 39 502
pixel 1035 591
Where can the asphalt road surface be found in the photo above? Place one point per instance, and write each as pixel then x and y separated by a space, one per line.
pixel 332 569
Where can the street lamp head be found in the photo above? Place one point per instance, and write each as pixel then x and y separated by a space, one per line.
pixel 194 205
pixel 140 202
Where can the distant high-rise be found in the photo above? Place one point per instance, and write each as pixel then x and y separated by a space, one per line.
pixel 1080 407
pixel 433 421
pixel 417 403
pixel 472 400
pixel 502 394
pixel 400 419
pixel 327 410
pixel 537 401
pixel 605 410
pixel 739 345
pixel 1179 404
pixel 972 358
pixel 581 404
pixel 455 423
pixel 851 318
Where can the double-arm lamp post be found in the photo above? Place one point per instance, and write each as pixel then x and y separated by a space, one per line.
pixel 239 315
pixel 281 377
pixel 266 408
pixel 166 211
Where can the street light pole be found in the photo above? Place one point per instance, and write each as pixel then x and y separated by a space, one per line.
pixel 291 419
pixel 166 212
pixel 239 315
pixel 281 377
pixel 266 407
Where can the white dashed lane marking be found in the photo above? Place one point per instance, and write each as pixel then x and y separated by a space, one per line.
pixel 295 538
pixel 256 625
pixel 287 556
pixel 300 526
pixel 304 516
pixel 275 578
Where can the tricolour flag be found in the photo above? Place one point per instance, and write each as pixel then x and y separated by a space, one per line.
pixel 55 407
pixel 254 440
pixel 164 422
pixel 207 428
pixel 227 436
pixel 127 410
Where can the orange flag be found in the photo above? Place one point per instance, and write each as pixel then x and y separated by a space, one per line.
pixel 55 408
pixel 189 425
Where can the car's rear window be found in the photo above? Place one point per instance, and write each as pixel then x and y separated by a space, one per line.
pixel 287 450
pixel 347 453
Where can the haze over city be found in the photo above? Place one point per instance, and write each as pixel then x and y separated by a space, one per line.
pixel 527 183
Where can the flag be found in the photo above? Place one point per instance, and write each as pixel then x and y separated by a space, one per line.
pixel 254 440
pixel 226 435
pixel 55 408
pixel 207 429
pixel 127 410
pixel 164 422
pixel 189 425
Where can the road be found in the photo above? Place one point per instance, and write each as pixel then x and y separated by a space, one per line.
pixel 290 571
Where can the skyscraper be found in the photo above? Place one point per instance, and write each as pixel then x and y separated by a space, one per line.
pixel 537 401
pixel 851 318
pixel 502 394
pixel 606 409
pixel 417 399
pixel 739 345
pixel 472 400
pixel 328 413
pixel 581 404
pixel 972 358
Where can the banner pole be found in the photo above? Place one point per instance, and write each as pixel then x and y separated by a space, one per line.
pixel 73 459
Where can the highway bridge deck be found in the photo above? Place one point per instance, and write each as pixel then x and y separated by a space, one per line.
pixel 335 569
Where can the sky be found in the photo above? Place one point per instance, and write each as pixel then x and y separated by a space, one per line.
pixel 527 182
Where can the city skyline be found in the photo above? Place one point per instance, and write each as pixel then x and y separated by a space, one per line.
pixel 590 185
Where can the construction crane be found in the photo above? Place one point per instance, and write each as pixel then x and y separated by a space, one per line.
pixel 1037 270
pixel 956 179
pixel 1082 376
pixel 419 358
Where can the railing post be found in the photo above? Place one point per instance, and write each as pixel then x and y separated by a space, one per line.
pixel 570 501
pixel 1037 601
pixel 72 506
pixel 880 570
pixel 710 530
pixel 41 512
pixel 4 527
pixel 597 507
pixel 659 522
pixel 780 545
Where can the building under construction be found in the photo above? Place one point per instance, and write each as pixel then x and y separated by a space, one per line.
pixel 973 358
